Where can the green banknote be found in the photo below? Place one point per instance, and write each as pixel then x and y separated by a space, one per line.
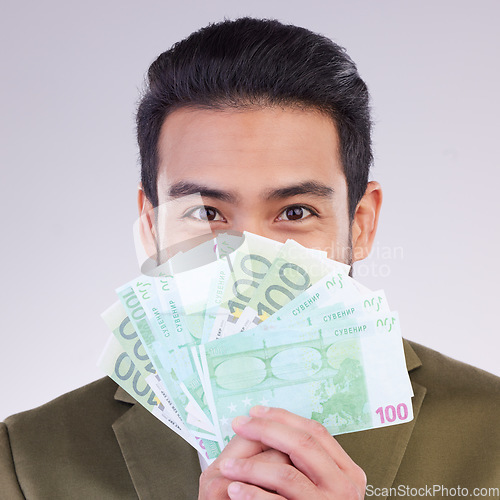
pixel 344 384
pixel 197 265
pixel 293 271
pixel 361 308
pixel 215 297
pixel 119 323
pixel 118 365
pixel 170 332
pixel 362 314
pixel 167 362
pixel 334 287
pixel 248 266
pixel 116 362
pixel 201 265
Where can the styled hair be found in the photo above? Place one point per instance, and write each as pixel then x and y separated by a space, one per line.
pixel 258 63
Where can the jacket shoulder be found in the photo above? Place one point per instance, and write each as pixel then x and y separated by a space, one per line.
pixel 444 375
pixel 70 437
pixel 456 437
pixel 458 419
pixel 99 394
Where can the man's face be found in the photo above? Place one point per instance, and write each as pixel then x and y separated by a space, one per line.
pixel 275 172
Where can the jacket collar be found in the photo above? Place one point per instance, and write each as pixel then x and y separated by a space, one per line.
pixel 161 463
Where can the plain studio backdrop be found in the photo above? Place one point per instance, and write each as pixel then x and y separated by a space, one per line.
pixel 71 77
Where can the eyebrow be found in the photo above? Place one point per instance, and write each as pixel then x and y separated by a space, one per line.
pixel 183 188
pixel 314 188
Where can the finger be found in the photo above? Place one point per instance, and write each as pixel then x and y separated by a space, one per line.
pixel 304 450
pixel 240 491
pixel 331 445
pixel 273 456
pixel 212 483
pixel 239 447
pixel 285 479
pixel 213 487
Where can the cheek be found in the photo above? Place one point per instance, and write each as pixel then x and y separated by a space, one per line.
pixel 336 242
pixel 342 251
pixel 340 240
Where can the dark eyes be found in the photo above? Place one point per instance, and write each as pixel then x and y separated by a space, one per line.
pixel 296 212
pixel 205 213
pixel 211 214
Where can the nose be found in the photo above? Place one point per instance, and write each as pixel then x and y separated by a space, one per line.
pixel 258 226
pixel 250 224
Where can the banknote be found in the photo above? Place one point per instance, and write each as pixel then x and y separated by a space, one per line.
pixel 167 360
pixel 248 266
pixel 220 280
pixel 343 383
pixel 361 314
pixel 118 365
pixel 342 309
pixel 165 313
pixel 332 288
pixel 133 366
pixel 292 272
pixel 201 265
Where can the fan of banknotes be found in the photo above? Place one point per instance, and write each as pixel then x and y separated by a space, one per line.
pixel 238 321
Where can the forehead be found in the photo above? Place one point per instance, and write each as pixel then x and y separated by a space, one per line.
pixel 248 149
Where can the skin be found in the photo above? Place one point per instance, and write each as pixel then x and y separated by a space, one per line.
pixel 275 172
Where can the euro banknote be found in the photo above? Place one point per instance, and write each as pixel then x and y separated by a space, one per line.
pixel 343 382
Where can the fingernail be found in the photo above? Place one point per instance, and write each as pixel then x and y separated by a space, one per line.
pixel 259 409
pixel 241 420
pixel 227 464
pixel 234 488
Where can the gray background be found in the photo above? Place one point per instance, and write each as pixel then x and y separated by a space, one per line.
pixel 71 75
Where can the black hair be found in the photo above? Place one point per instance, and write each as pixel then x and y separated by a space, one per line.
pixel 256 63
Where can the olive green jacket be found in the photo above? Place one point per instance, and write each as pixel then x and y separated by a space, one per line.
pixel 97 443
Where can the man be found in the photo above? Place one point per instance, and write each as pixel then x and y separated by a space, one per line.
pixel 270 124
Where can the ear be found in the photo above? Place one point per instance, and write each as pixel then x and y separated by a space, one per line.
pixel 146 224
pixel 364 225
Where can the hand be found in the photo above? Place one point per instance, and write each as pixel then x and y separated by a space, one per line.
pixel 213 485
pixel 319 468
